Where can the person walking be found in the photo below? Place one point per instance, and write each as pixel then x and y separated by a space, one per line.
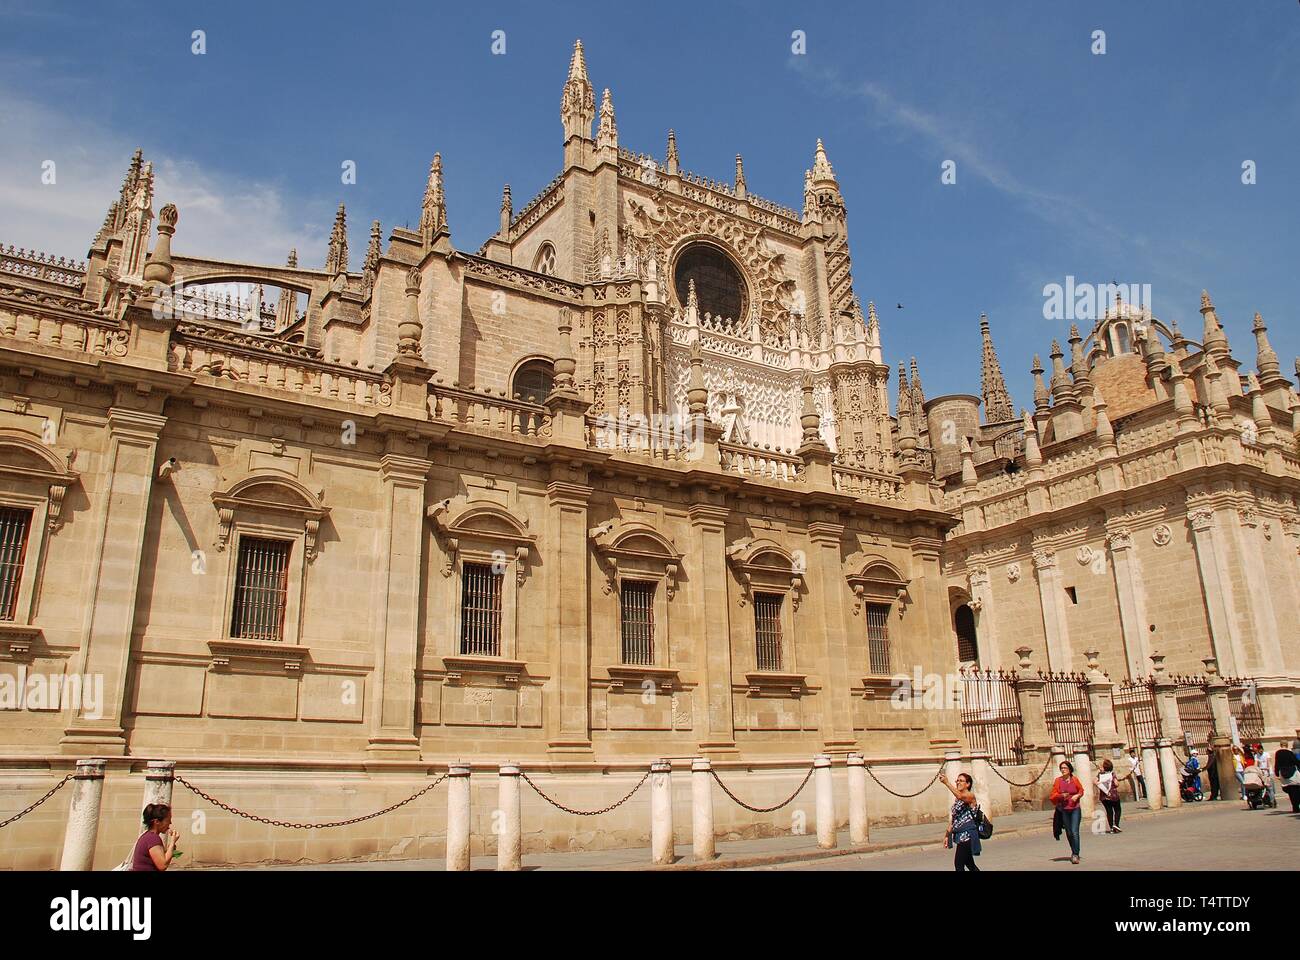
pixel 1067 792
pixel 963 833
pixel 1212 771
pixel 1108 789
pixel 1287 764
pixel 1239 768
pixel 153 852
pixel 1139 784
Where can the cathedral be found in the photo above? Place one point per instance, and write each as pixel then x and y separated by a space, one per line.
pixel 625 483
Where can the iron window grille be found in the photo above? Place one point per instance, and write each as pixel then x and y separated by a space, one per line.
pixel 14 526
pixel 878 638
pixel 637 598
pixel 261 589
pixel 480 610
pixel 767 630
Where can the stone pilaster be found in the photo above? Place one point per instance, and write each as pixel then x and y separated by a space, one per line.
pixel 113 574
pixel 1050 596
pixel 711 610
pixel 569 724
pixel 1131 594
pixel 829 589
pixel 396 599
pixel 1216 584
pixel 986 632
pixel 1251 549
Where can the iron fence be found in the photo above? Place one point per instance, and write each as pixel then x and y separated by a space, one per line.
pixel 1195 715
pixel 990 715
pixel 1067 709
pixel 1243 700
pixel 1136 713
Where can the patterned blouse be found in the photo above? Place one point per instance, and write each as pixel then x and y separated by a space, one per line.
pixel 964 827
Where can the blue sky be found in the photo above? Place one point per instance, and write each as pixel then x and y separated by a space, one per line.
pixel 1125 166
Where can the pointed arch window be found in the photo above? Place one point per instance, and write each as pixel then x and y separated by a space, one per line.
pixel 544 262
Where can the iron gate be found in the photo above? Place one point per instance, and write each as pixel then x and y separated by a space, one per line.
pixel 1194 713
pixel 1067 709
pixel 1243 700
pixel 1136 714
pixel 990 715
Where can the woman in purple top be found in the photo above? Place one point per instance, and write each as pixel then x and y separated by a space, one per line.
pixel 152 851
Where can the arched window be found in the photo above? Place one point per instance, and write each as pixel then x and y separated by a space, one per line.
pixel 968 650
pixel 545 260
pixel 719 286
pixel 533 381
pixel 1120 338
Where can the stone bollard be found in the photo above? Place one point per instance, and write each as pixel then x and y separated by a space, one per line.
pixel 457 816
pixel 83 815
pixel 980 780
pixel 1083 770
pixel 1169 777
pixel 702 809
pixel 159 775
pixel 1221 753
pixel 825 802
pixel 661 811
pixel 859 827
pixel 1151 775
pixel 510 838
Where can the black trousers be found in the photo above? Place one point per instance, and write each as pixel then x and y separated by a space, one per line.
pixel 1293 791
pixel 963 859
pixel 1112 811
pixel 1142 788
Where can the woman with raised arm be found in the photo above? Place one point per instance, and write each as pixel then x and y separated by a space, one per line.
pixel 963 826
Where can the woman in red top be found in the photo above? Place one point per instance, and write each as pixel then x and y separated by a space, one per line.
pixel 1067 791
pixel 152 851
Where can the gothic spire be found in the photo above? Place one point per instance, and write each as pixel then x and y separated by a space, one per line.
pixel 371 267
pixel 336 259
pixel 578 102
pixel 671 157
pixel 507 212
pixel 918 394
pixel 997 401
pixel 1040 388
pixel 433 213
pixel 1214 336
pixel 904 393
pixel 1265 356
pixel 607 131
pixel 129 185
pixel 740 177
pixel 821 169
pixel 292 260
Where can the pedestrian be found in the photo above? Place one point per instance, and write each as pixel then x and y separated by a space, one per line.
pixel 1212 769
pixel 1108 789
pixel 1139 784
pixel 152 851
pixel 1067 792
pixel 963 826
pixel 1192 770
pixel 1287 764
pixel 1239 768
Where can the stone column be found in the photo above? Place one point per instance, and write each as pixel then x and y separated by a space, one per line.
pixel 859 825
pixel 1101 700
pixel 457 817
pixel 661 811
pixel 981 596
pixel 825 802
pixel 1169 778
pixel 1151 774
pixel 830 590
pixel 159 775
pixel 702 810
pixel 1050 595
pixel 396 602
pixel 510 839
pixel 1259 599
pixel 83 815
pixel 1216 584
pixel 981 777
pixel 1221 741
pixel 113 572
pixel 1038 739
pixel 1083 770
pixel 567 558
pixel 711 615
pixel 1131 594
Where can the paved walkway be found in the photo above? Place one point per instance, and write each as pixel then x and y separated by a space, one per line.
pixel 919 839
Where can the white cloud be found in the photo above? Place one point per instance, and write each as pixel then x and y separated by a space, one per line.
pixel 221 216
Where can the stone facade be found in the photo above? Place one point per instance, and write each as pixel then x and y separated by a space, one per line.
pixel 377 432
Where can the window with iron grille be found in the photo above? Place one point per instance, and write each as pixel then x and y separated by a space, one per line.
pixel 261 589
pixel 878 638
pixel 767 630
pixel 480 610
pixel 14 524
pixel 638 602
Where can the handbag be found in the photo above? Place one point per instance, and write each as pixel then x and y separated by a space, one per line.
pixel 983 823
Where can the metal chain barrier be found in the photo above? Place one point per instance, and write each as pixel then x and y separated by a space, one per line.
pixel 751 809
pixel 907 796
pixel 53 790
pixel 584 813
pixel 1031 782
pixel 306 826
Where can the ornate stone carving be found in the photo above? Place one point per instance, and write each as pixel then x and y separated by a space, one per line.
pixel 1013 572
pixel 1085 555
pixel 1120 539
pixel 1201 518
pixel 1162 535
pixel 1044 560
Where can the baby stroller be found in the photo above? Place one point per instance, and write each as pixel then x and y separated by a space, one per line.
pixel 1258 792
pixel 1190 788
